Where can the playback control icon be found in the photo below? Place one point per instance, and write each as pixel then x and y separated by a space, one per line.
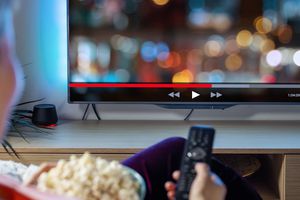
pixel 195 95
pixel 215 95
pixel 175 94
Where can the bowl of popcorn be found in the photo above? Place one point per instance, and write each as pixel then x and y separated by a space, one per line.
pixel 91 178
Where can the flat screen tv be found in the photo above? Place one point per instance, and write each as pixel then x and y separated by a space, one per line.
pixel 184 52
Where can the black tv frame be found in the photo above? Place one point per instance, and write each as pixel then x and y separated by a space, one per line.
pixel 187 104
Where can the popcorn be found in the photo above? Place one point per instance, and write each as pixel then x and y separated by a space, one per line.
pixel 89 178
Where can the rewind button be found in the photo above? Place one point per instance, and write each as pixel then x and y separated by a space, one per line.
pixel 175 94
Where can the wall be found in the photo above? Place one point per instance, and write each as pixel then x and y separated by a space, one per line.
pixel 41 44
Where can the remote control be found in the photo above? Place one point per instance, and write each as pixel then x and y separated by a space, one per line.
pixel 198 148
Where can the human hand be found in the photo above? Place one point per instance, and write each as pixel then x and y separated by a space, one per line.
pixel 171 186
pixel 13 190
pixel 45 167
pixel 206 186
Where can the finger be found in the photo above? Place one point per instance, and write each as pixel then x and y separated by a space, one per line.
pixel 170 186
pixel 176 175
pixel 171 195
pixel 203 170
pixel 202 167
pixel 45 167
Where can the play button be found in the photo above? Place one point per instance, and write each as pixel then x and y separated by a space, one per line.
pixel 195 95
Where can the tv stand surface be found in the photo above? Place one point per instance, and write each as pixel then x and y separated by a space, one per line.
pixel 278 142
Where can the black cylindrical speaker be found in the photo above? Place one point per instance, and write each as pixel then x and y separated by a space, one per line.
pixel 44 115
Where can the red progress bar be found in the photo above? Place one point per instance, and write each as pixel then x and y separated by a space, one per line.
pixel 139 85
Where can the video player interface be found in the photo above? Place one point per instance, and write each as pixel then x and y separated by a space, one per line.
pixel 184 51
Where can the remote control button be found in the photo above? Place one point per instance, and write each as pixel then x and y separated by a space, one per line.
pixel 199 139
pixel 187 158
pixel 196 154
pixel 194 143
pixel 204 143
pixel 194 136
pixel 206 138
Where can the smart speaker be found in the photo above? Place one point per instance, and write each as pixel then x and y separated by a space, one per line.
pixel 44 115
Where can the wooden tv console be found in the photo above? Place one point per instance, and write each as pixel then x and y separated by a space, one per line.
pixel 276 142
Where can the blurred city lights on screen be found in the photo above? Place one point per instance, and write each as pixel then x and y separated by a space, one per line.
pixel 291 8
pixel 151 51
pixel 161 2
pixel 296 58
pixel 263 25
pixel 287 55
pixel 257 42
pixel 110 77
pixel 125 44
pixel 267 45
pixel 163 51
pixel 184 76
pixel 121 21
pixel 274 58
pixel 196 4
pixel 233 62
pixel 163 56
pixel 205 41
pixel 195 57
pixel 274 16
pixel 123 75
pixel 203 77
pixel 87 52
pixel 216 76
pixel 268 78
pixel 96 18
pixel 222 22
pixel 173 60
pixel 285 34
pixel 244 38
pixel 104 55
pixel 231 46
pixel 199 18
pixel 214 47
pixel 77 78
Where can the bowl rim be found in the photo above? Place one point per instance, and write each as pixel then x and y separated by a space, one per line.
pixel 140 180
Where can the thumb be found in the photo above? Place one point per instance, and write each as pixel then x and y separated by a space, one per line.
pixel 203 170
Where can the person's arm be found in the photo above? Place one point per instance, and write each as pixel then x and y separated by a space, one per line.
pixel 206 186
pixel 11 74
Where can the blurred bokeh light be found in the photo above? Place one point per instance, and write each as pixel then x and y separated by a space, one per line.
pixel 185 41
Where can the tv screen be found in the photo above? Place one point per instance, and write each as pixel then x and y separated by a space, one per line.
pixel 184 51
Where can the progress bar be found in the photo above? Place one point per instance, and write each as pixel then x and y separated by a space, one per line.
pixel 182 85
pixel 139 85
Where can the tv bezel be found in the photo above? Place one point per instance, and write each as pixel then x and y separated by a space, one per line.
pixel 169 104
